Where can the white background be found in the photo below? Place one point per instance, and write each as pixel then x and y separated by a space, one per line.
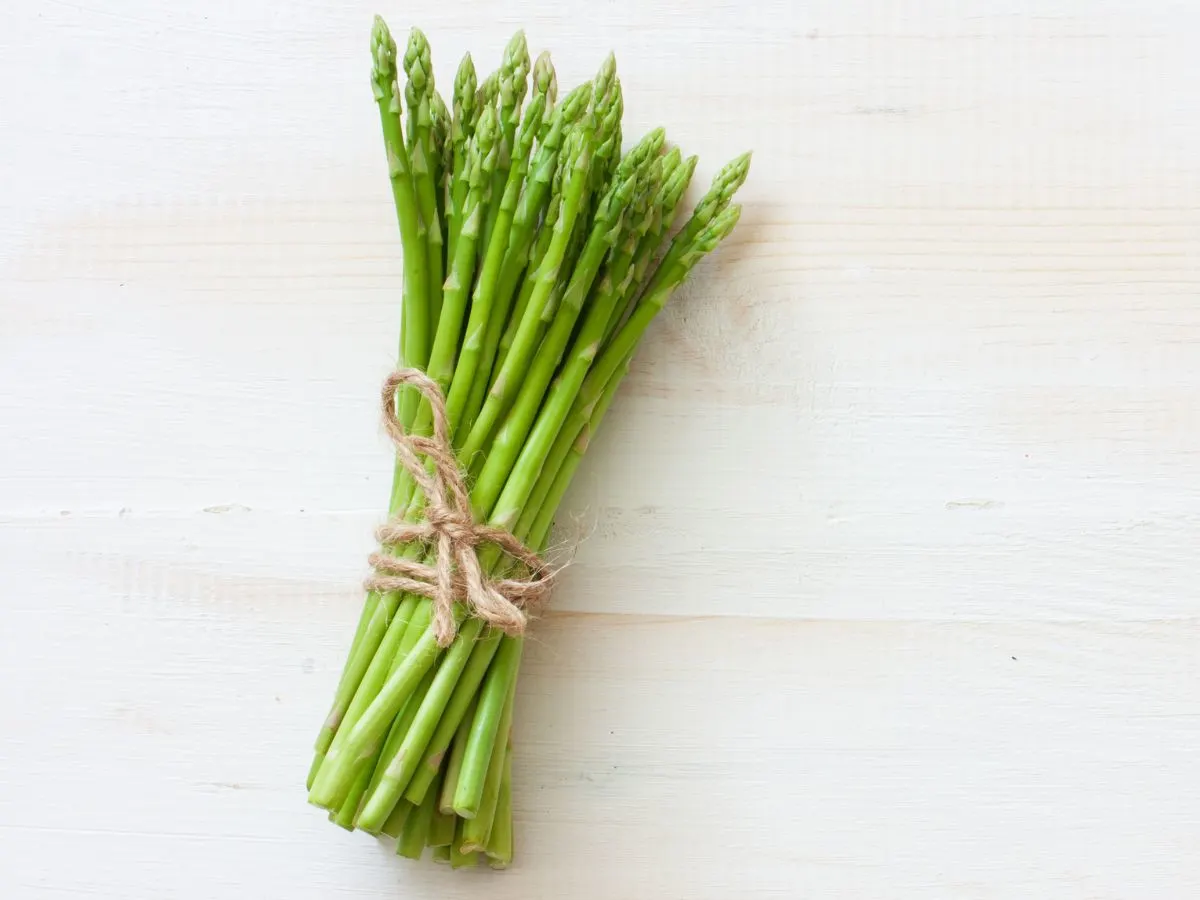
pixel 888 586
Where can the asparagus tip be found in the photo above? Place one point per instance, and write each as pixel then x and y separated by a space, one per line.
pixel 418 59
pixel 544 79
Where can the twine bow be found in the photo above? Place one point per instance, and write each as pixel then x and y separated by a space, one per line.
pixel 449 529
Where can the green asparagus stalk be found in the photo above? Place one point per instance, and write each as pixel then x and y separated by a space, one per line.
pixel 458 750
pixel 478 829
pixel 462 129
pixel 441 830
pixel 482 158
pixel 486 726
pixel 364 787
pixel 517 314
pixel 418 93
pixel 354 744
pixel 415 328
pixel 416 831
pixel 394 826
pixel 458 859
pixel 500 843
pixel 447 722
pixel 442 160
pixel 609 110
pixel 599 388
pixel 513 85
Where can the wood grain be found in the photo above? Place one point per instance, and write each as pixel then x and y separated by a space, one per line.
pixel 887 582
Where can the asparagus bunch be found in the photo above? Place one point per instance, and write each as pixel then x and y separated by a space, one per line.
pixel 535 257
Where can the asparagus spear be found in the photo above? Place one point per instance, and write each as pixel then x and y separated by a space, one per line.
pixel 442 160
pixel 486 728
pixel 458 859
pixel 415 327
pixel 394 826
pixel 361 741
pixel 537 254
pixel 608 151
pixel 418 93
pixel 513 85
pixel 402 632
pixel 441 830
pixel 449 783
pixel 462 128
pixel 599 387
pixel 483 158
pixel 354 805
pixel 411 624
pixel 489 89
pixel 478 828
pixel 607 108
pixel 649 146
pixel 579 149
pixel 415 832
pixel 500 843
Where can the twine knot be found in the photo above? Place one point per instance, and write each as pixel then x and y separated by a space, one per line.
pixel 447 527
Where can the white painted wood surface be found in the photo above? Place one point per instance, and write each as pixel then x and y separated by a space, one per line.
pixel 890 581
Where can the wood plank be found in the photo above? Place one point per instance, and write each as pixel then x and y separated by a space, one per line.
pixel 885 570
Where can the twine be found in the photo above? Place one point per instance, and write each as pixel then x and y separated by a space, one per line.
pixel 447 527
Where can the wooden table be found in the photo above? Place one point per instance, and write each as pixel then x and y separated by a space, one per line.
pixel 888 577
